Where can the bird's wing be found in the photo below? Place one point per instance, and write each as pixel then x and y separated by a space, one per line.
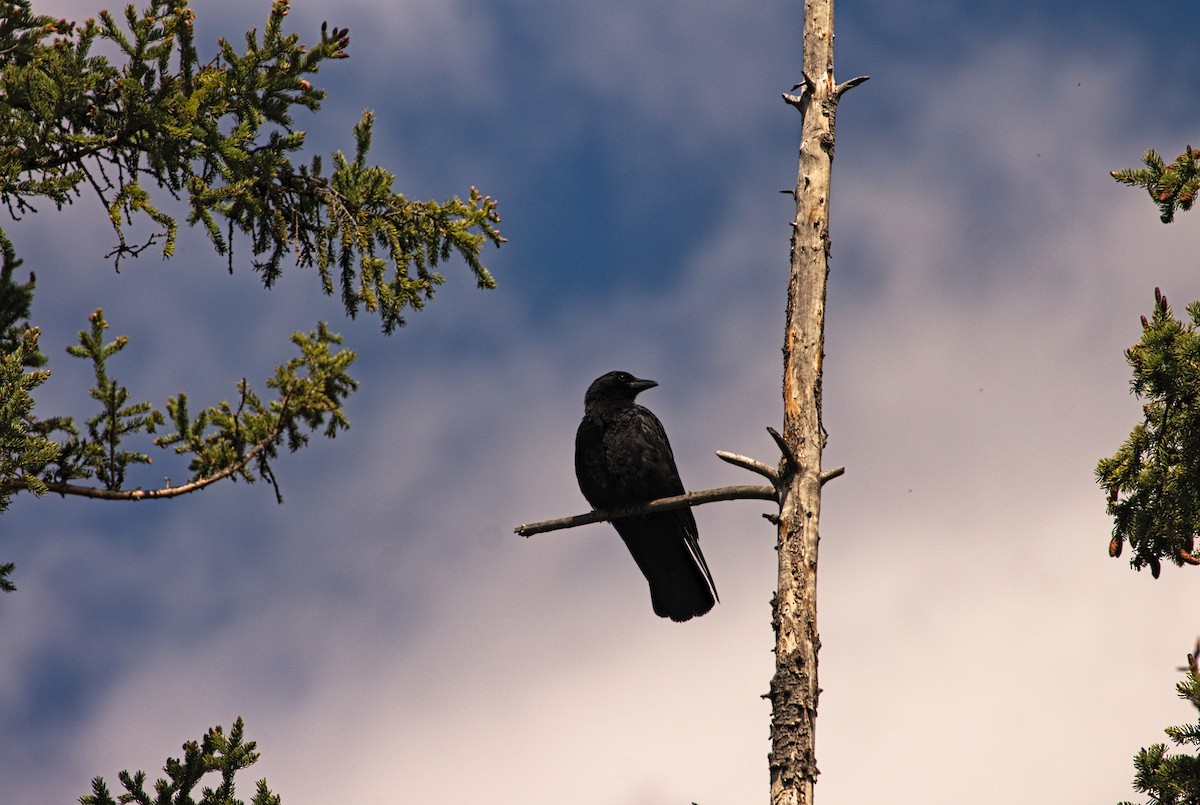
pixel 624 457
pixel 640 463
pixel 591 464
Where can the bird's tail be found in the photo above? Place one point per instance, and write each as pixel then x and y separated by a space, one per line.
pixel 668 553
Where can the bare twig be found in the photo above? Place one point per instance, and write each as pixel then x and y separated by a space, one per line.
pixel 794 100
pixel 770 473
pixel 789 455
pixel 797 99
pixel 829 475
pixel 660 505
pixel 851 84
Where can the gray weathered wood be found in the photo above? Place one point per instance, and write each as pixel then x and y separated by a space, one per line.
pixel 794 690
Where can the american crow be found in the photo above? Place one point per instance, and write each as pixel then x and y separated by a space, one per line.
pixel 622 457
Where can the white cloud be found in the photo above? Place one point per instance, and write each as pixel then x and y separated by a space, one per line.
pixel 387 636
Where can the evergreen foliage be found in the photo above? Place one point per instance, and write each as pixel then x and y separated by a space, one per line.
pixel 24 448
pixel 215 753
pixel 1171 186
pixel 1153 481
pixel 226 440
pixel 100 453
pixel 24 451
pixel 1174 779
pixel 216 133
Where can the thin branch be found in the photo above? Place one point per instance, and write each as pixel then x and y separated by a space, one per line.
pixel 269 474
pixel 797 99
pixel 149 494
pixel 660 505
pixel 829 475
pixel 770 473
pixel 789 455
pixel 851 84
pixel 794 100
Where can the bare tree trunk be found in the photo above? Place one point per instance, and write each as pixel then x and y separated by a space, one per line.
pixel 794 689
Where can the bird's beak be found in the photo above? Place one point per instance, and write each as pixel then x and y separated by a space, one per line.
pixel 642 385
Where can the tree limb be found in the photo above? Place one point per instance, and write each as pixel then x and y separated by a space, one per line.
pixel 660 505
pixel 162 493
pixel 851 84
pixel 829 475
pixel 771 492
pixel 789 454
pixel 770 473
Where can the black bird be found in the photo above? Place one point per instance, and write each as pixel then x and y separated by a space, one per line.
pixel 622 457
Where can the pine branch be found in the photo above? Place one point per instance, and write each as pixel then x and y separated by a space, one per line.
pixel 216 753
pixel 224 441
pixel 1173 779
pixel 161 493
pixel 1150 480
pixel 219 135
pixel 24 449
pixel 1171 187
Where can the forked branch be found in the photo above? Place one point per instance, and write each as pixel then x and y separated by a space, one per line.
pixel 772 492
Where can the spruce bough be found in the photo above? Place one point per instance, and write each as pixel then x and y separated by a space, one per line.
pixel 214 132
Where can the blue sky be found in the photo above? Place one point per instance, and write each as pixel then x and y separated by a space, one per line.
pixel 386 636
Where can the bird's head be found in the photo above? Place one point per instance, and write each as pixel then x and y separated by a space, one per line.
pixel 617 385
